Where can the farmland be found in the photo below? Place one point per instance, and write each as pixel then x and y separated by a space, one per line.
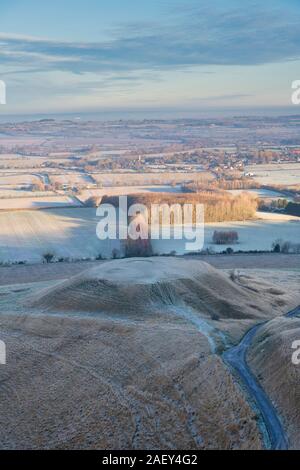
pixel 71 233
pixel 27 235
pixel 154 178
pixel 276 174
pixel 49 170
pixel 38 202
pixel 49 190
pixel 15 181
pixel 84 195
pixel 260 193
pixel 71 179
pixel 256 235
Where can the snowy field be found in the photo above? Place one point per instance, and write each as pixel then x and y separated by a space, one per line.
pixel 126 190
pixel 72 179
pixel 71 233
pixel 18 193
pixel 27 235
pixel 17 180
pixel 261 193
pixel 253 235
pixel 282 174
pixel 155 178
pixel 42 202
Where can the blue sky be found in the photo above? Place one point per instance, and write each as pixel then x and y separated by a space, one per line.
pixel 94 55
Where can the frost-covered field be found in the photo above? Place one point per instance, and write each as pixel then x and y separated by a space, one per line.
pixel 155 178
pixel 71 179
pixel 126 190
pixel 71 233
pixel 261 193
pixel 285 174
pixel 41 202
pixel 15 161
pixel 257 235
pixel 27 235
pixel 254 235
pixel 16 180
pixel 18 193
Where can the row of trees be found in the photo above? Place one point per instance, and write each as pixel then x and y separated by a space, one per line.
pixel 272 204
pixel 287 247
pixel 224 184
pixel 218 207
pixel 229 237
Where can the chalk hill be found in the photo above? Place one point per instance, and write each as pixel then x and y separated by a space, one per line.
pixel 139 286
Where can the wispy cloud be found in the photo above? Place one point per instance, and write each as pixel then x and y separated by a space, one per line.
pixel 233 96
pixel 204 36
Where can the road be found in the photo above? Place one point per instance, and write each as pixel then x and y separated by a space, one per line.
pixel 236 358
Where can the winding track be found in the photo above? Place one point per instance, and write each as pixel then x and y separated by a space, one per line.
pixel 236 358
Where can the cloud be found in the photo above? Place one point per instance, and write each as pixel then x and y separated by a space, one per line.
pixel 202 36
pixel 233 96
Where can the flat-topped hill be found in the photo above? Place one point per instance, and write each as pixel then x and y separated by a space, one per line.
pixel 142 285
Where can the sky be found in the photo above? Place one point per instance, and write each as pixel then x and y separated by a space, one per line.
pixel 176 56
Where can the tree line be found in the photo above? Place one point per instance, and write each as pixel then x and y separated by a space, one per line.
pixel 218 207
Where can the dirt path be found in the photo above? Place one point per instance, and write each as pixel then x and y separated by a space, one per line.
pixel 236 359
